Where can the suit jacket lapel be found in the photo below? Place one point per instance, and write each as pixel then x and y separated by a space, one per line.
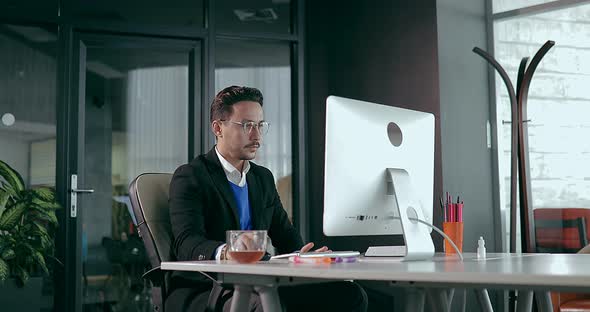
pixel 222 184
pixel 255 198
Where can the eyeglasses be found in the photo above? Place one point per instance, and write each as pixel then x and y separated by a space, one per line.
pixel 248 126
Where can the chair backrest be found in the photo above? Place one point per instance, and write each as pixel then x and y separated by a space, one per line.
pixel 561 235
pixel 149 199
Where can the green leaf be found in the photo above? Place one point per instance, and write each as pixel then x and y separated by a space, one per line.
pixel 44 194
pixel 10 217
pixel 35 212
pixel 45 205
pixel 11 192
pixel 26 248
pixel 4 197
pixel 56 260
pixel 21 274
pixel 8 254
pixel 46 243
pixel 11 176
pixel 48 216
pixel 41 241
pixel 4 271
pixel 39 229
pixel 41 261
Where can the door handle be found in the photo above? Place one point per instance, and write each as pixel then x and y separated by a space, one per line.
pixel 81 191
pixel 74 195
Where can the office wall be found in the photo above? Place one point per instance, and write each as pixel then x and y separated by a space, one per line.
pixel 465 111
pixel 378 51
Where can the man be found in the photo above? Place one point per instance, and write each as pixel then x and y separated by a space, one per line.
pixel 223 190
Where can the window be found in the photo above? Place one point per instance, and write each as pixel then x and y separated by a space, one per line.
pixel 28 91
pixel 507 5
pixel 558 105
pixel 265 66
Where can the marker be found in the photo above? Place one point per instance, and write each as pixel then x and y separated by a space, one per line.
pixel 443 210
pixel 315 260
pixel 344 259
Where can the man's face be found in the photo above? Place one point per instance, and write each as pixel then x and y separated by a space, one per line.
pixel 233 141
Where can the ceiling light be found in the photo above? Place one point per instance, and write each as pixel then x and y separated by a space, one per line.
pixel 8 119
pixel 258 15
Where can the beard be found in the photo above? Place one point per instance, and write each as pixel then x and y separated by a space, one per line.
pixel 247 153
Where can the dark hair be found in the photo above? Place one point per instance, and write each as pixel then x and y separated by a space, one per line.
pixel 222 104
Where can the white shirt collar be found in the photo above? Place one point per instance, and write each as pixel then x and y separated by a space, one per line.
pixel 232 173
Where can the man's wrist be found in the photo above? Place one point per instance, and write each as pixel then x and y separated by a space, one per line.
pixel 218 251
pixel 223 253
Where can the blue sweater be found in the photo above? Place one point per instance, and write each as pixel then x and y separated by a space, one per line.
pixel 241 195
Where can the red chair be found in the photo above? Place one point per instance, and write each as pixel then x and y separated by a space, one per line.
pixel 575 302
pixel 561 230
pixel 564 230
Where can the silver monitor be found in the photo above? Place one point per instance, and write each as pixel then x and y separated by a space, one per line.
pixel 363 140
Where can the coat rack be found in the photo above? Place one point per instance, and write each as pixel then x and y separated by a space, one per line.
pixel 519 161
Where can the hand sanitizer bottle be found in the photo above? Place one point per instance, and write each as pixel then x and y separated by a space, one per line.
pixel 481 248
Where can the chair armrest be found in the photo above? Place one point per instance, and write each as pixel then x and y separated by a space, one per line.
pixel 154 275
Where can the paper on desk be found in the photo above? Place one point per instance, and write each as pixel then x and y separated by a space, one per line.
pixel 284 256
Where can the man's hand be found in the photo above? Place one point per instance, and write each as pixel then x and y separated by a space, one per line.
pixel 309 246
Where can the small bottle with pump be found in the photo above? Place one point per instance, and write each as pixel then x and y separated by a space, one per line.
pixel 481 248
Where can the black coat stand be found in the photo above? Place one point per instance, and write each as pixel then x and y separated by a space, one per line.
pixel 519 161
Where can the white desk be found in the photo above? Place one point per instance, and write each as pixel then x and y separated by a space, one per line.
pixel 530 273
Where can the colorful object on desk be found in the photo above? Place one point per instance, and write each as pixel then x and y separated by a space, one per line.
pixel 451 212
pixel 317 260
pixel 323 260
pixel 344 259
pixel 443 210
pixel 454 231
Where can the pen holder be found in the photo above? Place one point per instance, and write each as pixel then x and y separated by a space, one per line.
pixel 454 230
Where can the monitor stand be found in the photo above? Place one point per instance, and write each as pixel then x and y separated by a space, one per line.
pixel 419 244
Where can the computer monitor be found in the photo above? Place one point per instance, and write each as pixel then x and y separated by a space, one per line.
pixel 363 140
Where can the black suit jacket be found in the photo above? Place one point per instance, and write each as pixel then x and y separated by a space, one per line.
pixel 203 207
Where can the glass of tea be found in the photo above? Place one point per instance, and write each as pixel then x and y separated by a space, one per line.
pixel 246 246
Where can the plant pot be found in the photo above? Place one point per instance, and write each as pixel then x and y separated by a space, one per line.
pixel 25 299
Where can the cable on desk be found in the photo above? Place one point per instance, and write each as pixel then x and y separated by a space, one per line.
pixel 441 233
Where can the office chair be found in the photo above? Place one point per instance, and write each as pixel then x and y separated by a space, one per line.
pixel 560 235
pixel 574 302
pixel 149 200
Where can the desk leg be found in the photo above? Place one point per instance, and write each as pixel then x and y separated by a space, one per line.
pixel 414 300
pixel 269 297
pixel 484 300
pixel 543 299
pixel 450 295
pixel 524 301
pixel 438 299
pixel 241 298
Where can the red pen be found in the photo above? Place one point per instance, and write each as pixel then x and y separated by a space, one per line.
pixel 460 212
pixel 452 212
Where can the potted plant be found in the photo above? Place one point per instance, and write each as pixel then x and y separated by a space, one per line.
pixel 27 225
